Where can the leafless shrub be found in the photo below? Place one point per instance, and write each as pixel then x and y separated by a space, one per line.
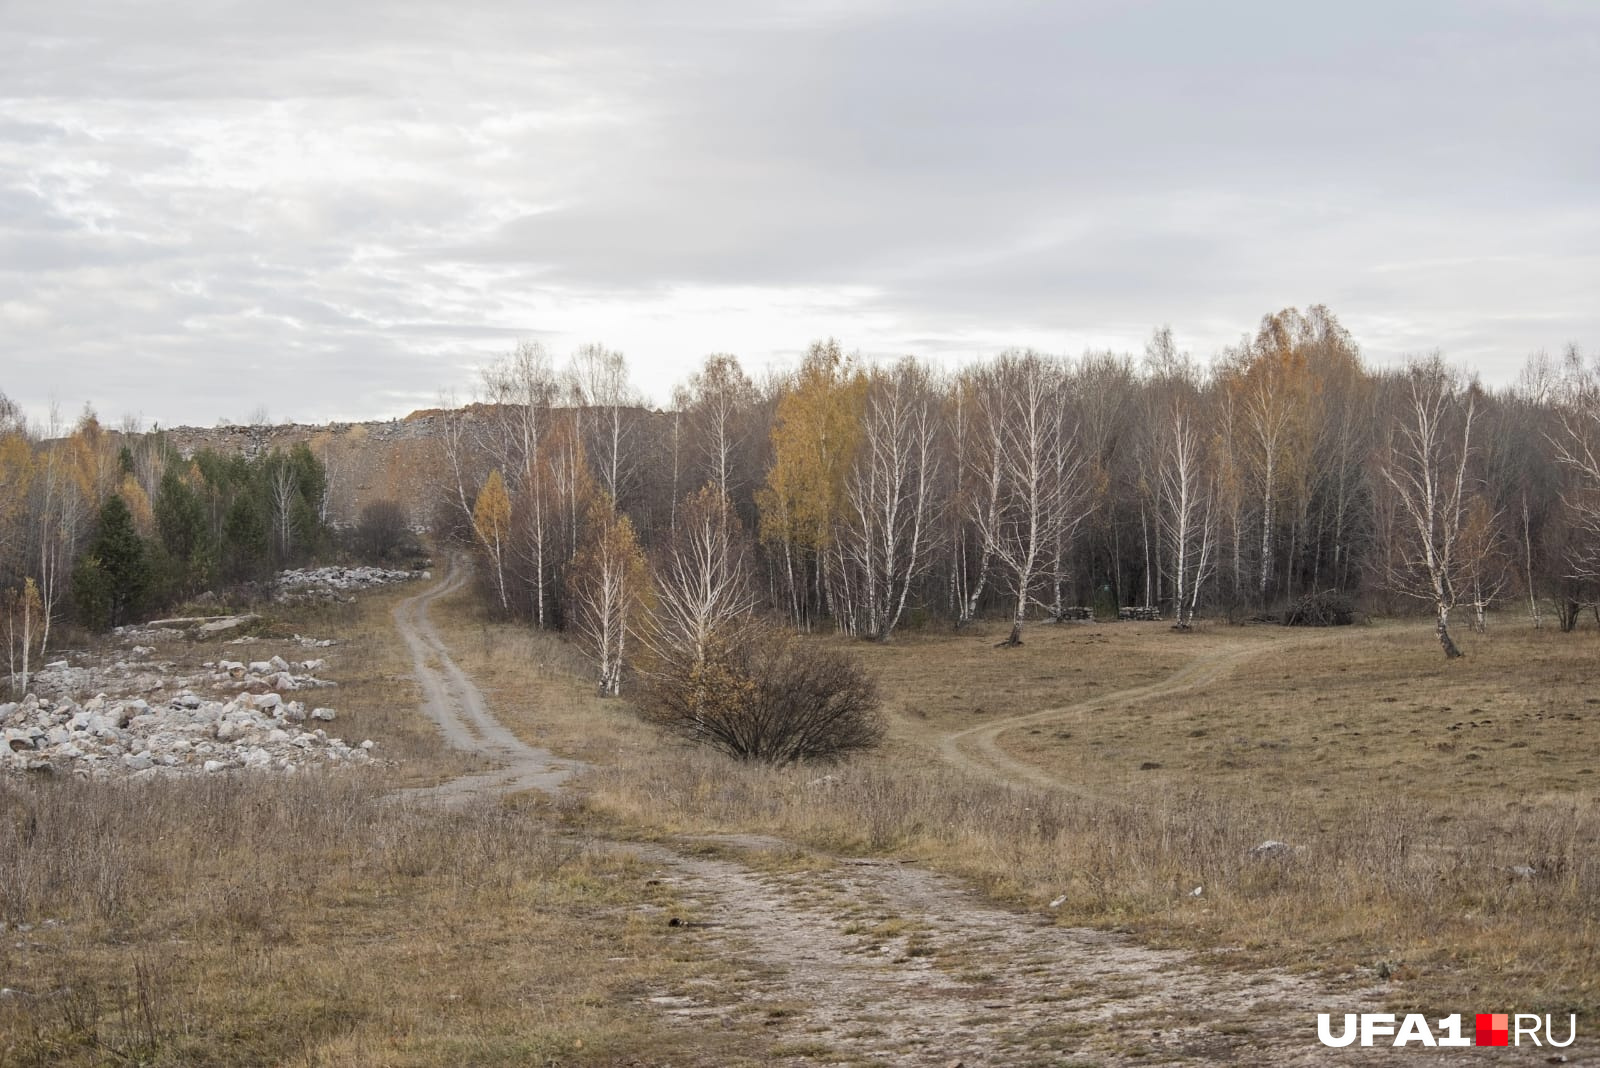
pixel 383 532
pixel 1324 608
pixel 774 698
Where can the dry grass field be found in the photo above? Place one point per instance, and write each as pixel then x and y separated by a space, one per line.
pixel 1407 789
pixel 1114 768
pixel 309 922
pixel 253 920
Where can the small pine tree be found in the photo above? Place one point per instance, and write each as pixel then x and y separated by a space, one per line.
pixel 180 517
pixel 113 578
pixel 245 544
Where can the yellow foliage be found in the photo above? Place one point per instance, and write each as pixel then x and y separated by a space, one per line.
pixel 144 518
pixel 491 515
pixel 815 434
pixel 1275 391
pixel 17 467
pixel 92 459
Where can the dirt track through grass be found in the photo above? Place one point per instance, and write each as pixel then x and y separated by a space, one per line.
pixel 453 701
pixel 877 962
pixel 978 750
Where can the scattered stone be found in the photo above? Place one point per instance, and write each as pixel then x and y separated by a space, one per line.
pixel 109 737
pixel 1197 891
pixel 1058 902
pixel 1523 871
pixel 198 624
pixel 329 583
pixel 1272 848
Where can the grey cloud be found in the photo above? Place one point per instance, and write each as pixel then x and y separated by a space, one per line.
pixel 359 193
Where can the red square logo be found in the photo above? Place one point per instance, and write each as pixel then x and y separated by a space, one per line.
pixel 1494 1029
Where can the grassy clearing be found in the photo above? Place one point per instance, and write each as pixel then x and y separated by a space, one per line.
pixel 251 921
pixel 308 921
pixel 1402 858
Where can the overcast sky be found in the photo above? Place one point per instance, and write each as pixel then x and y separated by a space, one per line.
pixel 335 209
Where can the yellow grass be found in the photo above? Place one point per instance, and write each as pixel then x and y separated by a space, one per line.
pixel 309 921
pixel 252 920
pixel 1403 845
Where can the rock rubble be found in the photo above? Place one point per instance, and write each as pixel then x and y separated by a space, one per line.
pixel 108 737
pixel 135 675
pixel 315 583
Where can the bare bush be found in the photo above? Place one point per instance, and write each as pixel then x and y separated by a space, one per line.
pixel 775 699
pixel 383 532
pixel 1326 608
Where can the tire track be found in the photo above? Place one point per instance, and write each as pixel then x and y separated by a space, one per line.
pixel 880 963
pixel 454 702
pixel 977 750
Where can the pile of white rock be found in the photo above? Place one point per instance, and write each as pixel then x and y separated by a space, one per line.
pixel 311 582
pixel 274 673
pixel 135 675
pixel 108 737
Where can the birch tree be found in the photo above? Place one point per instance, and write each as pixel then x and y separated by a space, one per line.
pixel 1425 467
pixel 1039 469
pixel 598 387
pixel 522 390
pixel 22 618
pixel 607 582
pixel 716 403
pixel 888 525
pixel 455 437
pixel 1576 440
pixel 981 430
pixel 1185 517
pixel 60 512
pixel 815 434
pixel 284 488
pixel 703 592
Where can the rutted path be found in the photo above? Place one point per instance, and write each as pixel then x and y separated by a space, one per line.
pixel 978 750
pixel 897 965
pixel 874 962
pixel 453 701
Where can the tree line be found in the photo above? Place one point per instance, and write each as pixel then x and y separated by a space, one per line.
pixel 867 496
pixel 98 526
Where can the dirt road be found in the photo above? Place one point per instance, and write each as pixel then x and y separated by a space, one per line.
pixel 875 962
pixel 453 701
